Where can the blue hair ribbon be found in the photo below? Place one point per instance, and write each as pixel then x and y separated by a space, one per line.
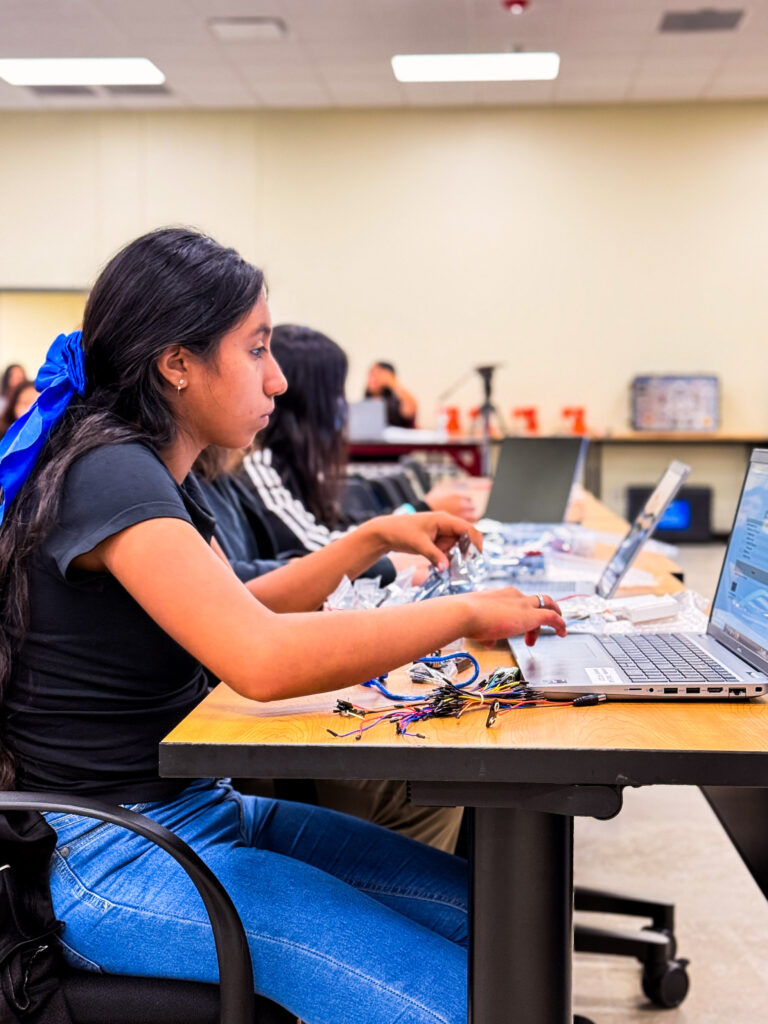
pixel 58 379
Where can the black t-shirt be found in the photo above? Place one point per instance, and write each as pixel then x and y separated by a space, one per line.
pixel 98 683
pixel 395 416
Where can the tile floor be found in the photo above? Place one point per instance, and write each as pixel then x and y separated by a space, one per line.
pixel 667 844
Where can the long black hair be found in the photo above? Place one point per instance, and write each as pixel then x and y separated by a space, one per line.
pixel 174 286
pixel 306 430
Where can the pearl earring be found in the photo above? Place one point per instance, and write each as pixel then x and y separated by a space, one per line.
pixel 179 386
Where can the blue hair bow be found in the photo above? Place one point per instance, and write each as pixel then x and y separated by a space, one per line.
pixel 61 375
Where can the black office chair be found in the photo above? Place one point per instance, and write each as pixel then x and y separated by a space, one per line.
pixel 358 500
pixel 115 999
pixel 664 978
pixel 418 470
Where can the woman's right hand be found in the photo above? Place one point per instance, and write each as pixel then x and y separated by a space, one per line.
pixel 497 614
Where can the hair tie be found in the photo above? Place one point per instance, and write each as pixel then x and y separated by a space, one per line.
pixel 61 375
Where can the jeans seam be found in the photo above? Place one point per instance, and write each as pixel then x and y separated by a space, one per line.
pixel 349 970
pixel 407 894
pixel 93 898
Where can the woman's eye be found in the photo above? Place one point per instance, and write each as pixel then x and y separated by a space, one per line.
pixel 258 352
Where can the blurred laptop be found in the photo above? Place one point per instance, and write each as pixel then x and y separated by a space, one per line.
pixel 729 660
pixel 646 521
pixel 534 477
pixel 366 419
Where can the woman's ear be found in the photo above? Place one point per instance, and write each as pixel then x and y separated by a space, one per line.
pixel 173 365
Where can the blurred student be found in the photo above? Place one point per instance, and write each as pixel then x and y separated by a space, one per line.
pixel 299 467
pixel 20 400
pixel 401 404
pixel 13 375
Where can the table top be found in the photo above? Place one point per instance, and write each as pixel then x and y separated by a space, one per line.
pixel 613 743
pixel 754 437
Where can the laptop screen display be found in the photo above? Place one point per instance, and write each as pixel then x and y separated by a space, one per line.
pixel 740 609
pixel 645 523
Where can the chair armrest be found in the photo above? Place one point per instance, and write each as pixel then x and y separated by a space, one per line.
pixel 233 955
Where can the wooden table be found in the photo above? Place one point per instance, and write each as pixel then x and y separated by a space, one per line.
pixel 524 781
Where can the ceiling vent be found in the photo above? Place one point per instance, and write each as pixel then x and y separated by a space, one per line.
pixel 65 91
pixel 248 30
pixel 137 90
pixel 705 20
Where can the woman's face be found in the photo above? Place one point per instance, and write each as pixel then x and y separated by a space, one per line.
pixel 15 377
pixel 228 399
pixel 25 400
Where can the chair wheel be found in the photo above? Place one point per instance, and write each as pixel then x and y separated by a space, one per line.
pixel 672 947
pixel 668 984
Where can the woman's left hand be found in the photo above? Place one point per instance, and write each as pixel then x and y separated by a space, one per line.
pixel 431 534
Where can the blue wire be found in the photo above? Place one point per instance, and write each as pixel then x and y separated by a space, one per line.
pixel 377 684
pixel 457 656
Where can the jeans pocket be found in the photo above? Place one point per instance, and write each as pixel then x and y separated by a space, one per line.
pixel 77 960
pixel 73 840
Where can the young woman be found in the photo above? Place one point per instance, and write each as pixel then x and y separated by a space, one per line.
pixel 13 375
pixel 300 463
pixel 112 602
pixel 21 398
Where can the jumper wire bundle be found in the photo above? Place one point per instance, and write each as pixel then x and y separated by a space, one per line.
pixel 497 694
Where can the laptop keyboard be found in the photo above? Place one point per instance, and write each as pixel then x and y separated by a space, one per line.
pixel 663 657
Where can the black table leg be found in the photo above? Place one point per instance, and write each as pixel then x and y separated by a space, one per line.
pixel 522 917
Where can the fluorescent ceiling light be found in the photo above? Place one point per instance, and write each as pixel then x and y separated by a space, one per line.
pixel 475 67
pixel 81 71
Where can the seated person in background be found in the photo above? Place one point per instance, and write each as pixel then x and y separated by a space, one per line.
pixel 21 398
pixel 13 375
pixel 401 405
pixel 242 526
pixel 300 465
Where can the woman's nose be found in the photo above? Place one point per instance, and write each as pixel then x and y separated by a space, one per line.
pixel 278 385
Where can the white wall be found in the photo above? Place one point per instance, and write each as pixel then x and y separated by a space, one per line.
pixel 578 246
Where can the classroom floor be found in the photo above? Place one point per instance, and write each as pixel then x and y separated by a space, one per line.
pixel 666 843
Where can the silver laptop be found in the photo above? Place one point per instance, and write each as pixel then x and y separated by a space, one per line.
pixel 366 419
pixel 641 529
pixel 729 660
pixel 534 477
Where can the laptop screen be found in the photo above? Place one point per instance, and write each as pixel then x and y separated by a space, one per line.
pixel 739 616
pixel 645 523
pixel 533 479
pixel 366 419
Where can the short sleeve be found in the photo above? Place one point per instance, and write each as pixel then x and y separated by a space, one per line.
pixel 108 490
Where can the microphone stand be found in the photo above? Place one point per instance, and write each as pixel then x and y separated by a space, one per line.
pixel 487 409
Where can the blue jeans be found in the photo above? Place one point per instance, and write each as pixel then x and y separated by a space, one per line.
pixel 346 921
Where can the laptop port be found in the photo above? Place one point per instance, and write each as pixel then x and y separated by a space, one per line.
pixel 670 689
pixel 692 689
pixel 737 691
pixel 714 689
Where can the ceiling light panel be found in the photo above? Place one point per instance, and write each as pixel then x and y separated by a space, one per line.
pixel 81 71
pixel 476 67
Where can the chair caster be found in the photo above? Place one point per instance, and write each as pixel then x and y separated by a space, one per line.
pixel 666 984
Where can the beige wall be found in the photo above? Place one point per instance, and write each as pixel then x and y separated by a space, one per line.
pixel 578 246
pixel 29 321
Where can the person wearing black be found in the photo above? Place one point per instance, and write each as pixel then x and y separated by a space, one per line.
pixel 115 601
pixel 401 405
